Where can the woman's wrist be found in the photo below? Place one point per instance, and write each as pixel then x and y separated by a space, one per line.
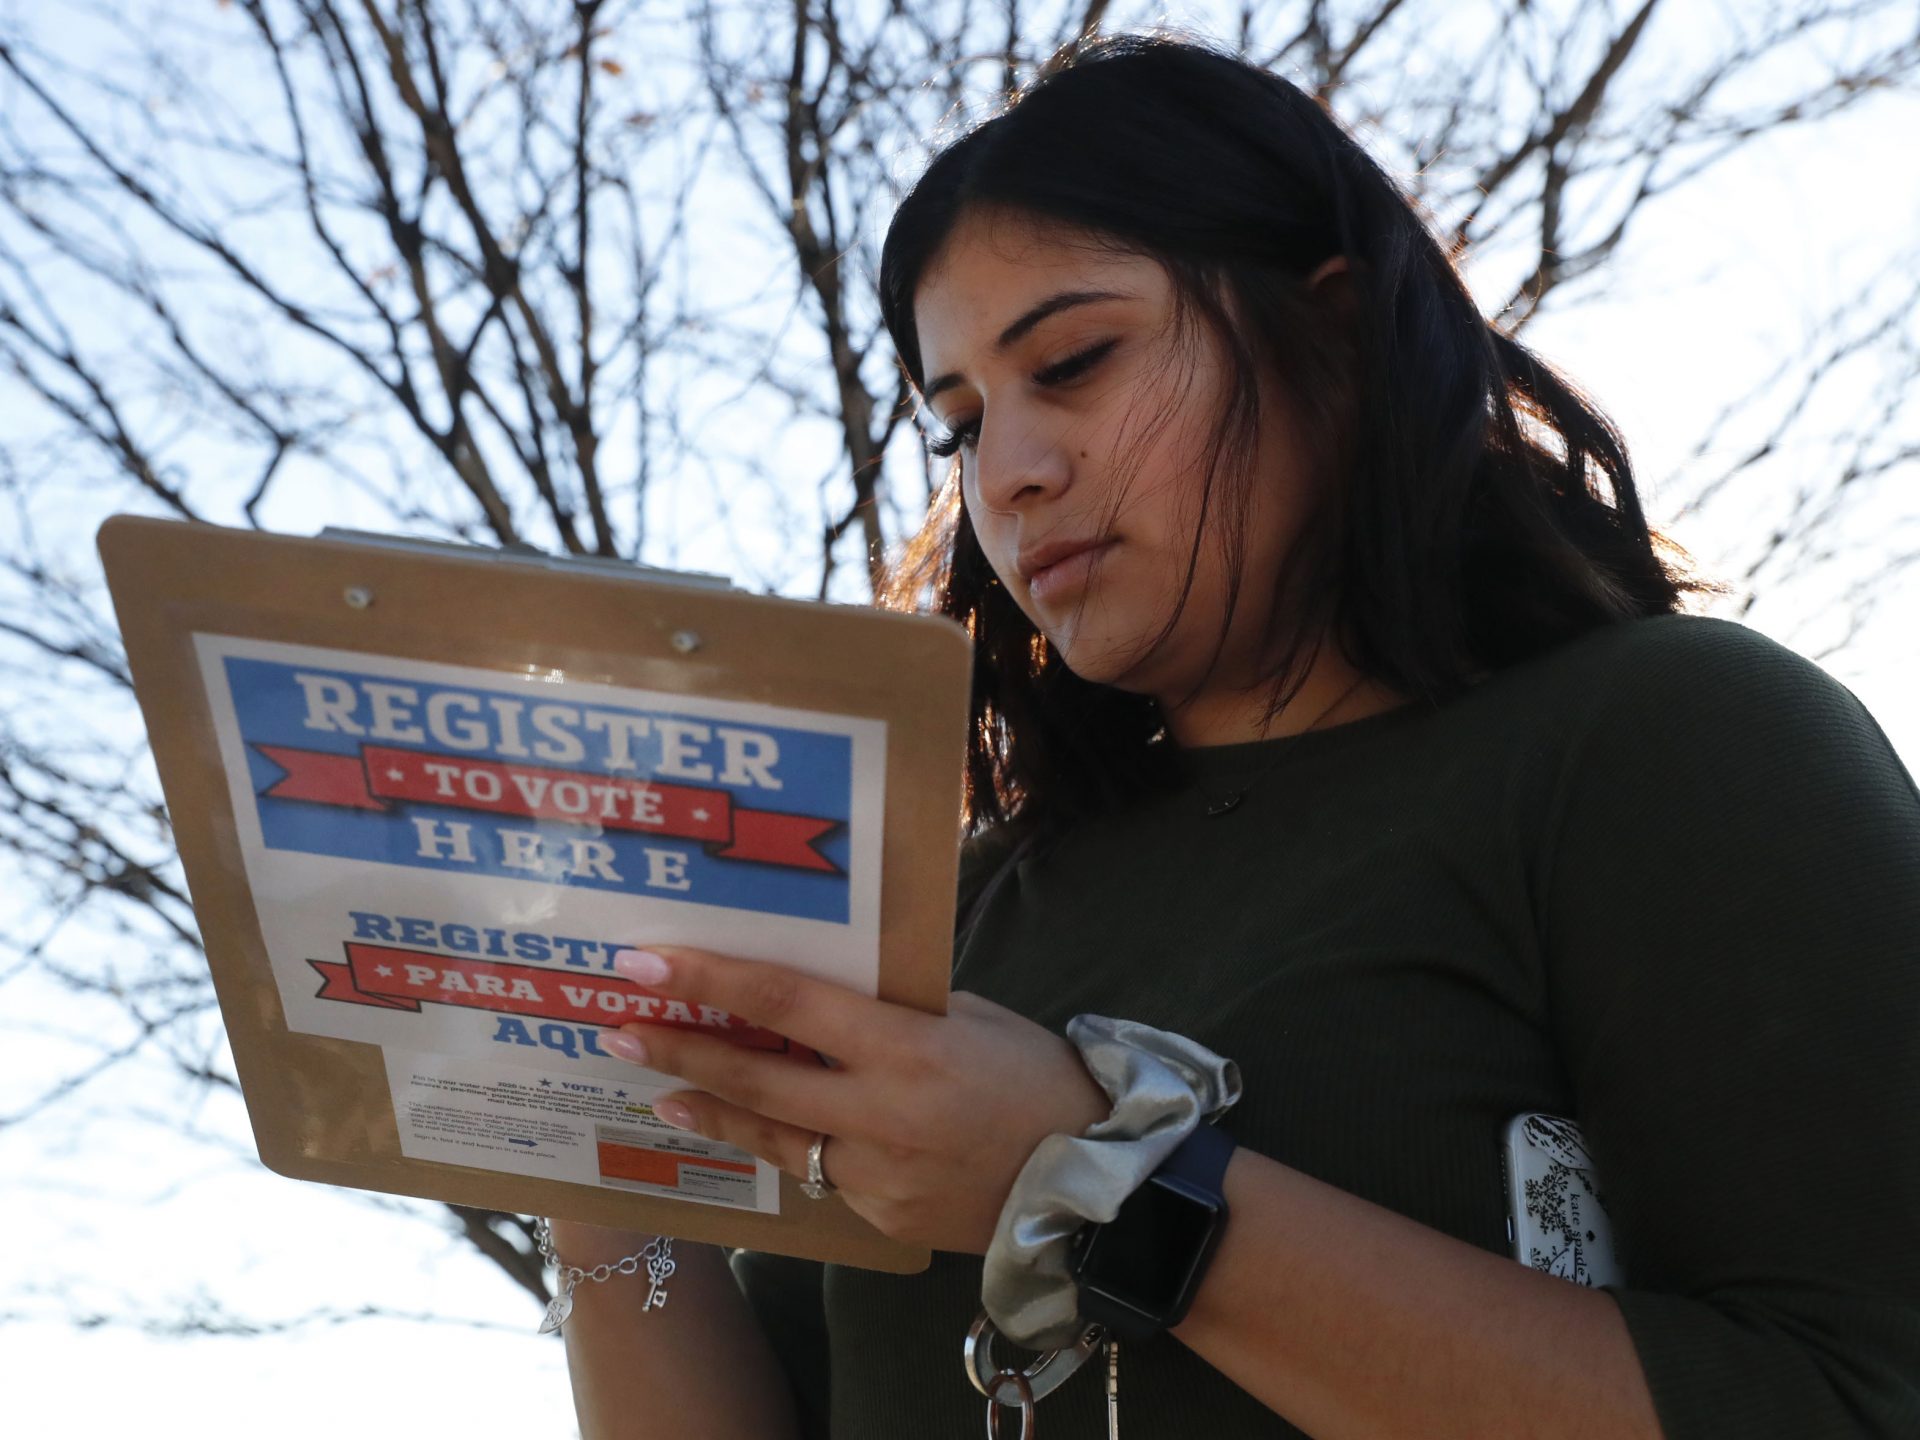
pixel 584 1245
pixel 1161 1086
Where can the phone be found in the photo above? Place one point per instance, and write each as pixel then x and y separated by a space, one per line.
pixel 1557 1218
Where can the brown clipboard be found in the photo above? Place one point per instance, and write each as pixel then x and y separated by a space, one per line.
pixel 321 1107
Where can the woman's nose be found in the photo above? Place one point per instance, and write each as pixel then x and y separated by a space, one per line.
pixel 1020 459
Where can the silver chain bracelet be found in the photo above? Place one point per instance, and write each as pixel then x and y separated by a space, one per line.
pixel 657 1256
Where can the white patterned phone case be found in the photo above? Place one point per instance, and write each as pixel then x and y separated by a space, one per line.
pixel 1556 1210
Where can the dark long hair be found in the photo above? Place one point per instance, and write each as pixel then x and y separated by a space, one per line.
pixel 1475 508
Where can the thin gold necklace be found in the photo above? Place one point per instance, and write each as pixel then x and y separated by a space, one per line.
pixel 1218 805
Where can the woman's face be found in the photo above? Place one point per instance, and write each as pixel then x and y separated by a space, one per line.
pixel 1085 421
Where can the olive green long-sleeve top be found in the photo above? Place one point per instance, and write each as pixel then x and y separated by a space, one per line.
pixel 1664 879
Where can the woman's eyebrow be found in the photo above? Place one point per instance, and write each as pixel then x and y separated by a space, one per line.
pixel 1052 305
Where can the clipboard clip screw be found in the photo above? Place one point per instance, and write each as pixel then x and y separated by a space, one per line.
pixel 358 597
pixel 685 641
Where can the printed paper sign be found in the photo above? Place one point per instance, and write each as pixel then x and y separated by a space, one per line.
pixel 628 797
pixel 444 858
pixel 559 1127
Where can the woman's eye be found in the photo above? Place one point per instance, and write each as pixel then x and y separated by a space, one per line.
pixel 951 442
pixel 1074 365
pixel 967 435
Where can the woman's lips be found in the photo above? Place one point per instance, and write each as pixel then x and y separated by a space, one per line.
pixel 1065 576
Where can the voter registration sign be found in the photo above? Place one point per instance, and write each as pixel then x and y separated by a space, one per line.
pixel 445 859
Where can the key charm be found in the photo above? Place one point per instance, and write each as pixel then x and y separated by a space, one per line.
pixel 659 1268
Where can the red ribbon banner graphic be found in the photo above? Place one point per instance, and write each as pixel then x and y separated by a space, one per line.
pixel 394 979
pixel 380 777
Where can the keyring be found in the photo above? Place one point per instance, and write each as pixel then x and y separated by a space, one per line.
pixel 1039 1379
pixel 1025 1401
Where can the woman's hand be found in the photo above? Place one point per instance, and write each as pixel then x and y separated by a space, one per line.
pixel 930 1117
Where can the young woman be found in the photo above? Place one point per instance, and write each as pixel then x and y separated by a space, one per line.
pixel 1332 711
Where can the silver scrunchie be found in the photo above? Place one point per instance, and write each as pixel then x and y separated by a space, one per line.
pixel 1162 1086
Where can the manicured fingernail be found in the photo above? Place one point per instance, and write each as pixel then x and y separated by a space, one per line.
pixel 627 1047
pixel 673 1113
pixel 643 967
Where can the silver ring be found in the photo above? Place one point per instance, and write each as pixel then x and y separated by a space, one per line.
pixel 816 1186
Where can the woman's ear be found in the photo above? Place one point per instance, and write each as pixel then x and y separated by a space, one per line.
pixel 1332 265
pixel 1331 287
pixel 1332 282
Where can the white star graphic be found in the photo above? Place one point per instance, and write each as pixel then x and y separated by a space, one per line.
pixel 701 815
pixel 396 774
pixel 383 970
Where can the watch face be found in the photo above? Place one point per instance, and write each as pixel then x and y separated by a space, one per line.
pixel 1147 1254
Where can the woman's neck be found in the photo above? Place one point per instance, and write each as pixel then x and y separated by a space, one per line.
pixel 1333 693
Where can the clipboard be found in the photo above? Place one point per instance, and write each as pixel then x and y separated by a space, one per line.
pixel 422 791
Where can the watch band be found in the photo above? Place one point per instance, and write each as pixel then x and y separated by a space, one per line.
pixel 1201 1160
